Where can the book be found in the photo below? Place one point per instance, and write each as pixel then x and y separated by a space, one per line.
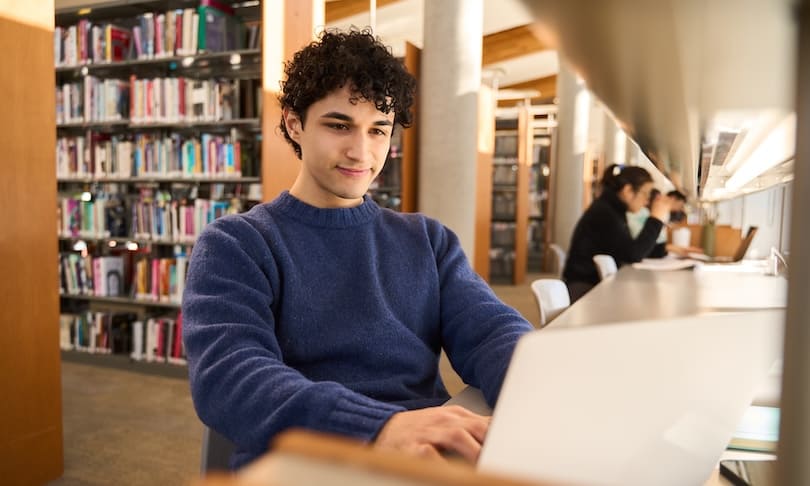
pixel 118 42
pixel 758 431
pixel 137 353
pixel 219 30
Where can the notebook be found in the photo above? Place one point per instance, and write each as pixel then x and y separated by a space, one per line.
pixel 648 402
pixel 739 254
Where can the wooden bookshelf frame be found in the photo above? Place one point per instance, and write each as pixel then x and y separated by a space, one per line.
pixel 31 412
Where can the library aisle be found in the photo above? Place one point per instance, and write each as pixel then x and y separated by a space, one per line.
pixel 139 430
pixel 127 428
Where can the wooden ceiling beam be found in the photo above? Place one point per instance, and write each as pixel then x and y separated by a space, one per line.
pixel 546 86
pixel 510 43
pixel 340 9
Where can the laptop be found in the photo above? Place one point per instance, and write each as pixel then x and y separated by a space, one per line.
pixel 642 403
pixel 739 254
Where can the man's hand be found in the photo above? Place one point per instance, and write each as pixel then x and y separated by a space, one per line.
pixel 430 431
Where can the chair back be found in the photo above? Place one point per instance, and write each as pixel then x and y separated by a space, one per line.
pixel 558 257
pixel 605 265
pixel 552 298
pixel 216 451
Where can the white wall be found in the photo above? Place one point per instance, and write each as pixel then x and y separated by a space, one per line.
pixel 769 210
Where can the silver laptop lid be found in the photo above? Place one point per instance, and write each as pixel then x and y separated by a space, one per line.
pixel 650 402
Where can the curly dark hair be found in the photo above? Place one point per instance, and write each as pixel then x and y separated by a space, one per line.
pixel 337 58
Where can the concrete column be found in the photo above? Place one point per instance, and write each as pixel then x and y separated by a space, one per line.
pixel 448 114
pixel 566 196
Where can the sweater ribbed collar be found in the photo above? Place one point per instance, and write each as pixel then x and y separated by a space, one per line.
pixel 294 208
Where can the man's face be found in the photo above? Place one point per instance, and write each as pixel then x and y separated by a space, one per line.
pixel 343 148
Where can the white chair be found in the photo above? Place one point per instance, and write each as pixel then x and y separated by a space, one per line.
pixel 558 257
pixel 605 265
pixel 552 298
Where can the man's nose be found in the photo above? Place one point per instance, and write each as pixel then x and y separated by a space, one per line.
pixel 358 146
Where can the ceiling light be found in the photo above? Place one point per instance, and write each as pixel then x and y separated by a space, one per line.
pixel 778 147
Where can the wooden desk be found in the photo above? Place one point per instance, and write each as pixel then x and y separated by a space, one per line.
pixel 301 458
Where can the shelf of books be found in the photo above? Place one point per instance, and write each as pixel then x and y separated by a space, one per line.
pixel 158 108
pixel 543 123
pixel 386 189
pixel 506 168
pixel 521 172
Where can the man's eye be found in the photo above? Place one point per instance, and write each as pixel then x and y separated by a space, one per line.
pixel 338 126
pixel 378 131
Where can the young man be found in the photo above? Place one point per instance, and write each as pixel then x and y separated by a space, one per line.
pixel 320 309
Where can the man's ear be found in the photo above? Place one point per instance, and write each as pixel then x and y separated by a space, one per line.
pixel 293 123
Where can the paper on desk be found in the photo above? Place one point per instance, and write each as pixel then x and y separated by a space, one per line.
pixel 664 264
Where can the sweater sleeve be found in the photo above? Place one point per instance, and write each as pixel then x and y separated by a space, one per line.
pixel 240 384
pixel 629 250
pixel 479 332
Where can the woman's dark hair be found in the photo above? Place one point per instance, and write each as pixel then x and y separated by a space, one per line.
pixel 617 176
pixel 355 57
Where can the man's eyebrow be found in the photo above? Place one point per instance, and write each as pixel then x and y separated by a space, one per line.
pixel 337 115
pixel 342 116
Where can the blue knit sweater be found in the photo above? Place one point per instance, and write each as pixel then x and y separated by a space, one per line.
pixel 333 320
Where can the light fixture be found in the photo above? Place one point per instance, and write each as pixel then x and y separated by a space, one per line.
pixel 86 196
pixel 235 59
pixel 84 11
pixel 132 246
pixel 777 147
pixel 80 245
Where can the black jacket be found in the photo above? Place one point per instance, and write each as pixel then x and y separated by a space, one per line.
pixel 602 229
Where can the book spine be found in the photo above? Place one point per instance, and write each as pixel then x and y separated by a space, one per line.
pixel 137 341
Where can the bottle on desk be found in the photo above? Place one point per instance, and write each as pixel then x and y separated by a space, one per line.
pixel 707 238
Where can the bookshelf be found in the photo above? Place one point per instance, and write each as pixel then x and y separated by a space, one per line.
pixel 159 131
pixel 127 188
pixel 521 169
pixel 386 189
pixel 543 126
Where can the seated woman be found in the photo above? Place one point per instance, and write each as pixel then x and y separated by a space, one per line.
pixel 603 229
